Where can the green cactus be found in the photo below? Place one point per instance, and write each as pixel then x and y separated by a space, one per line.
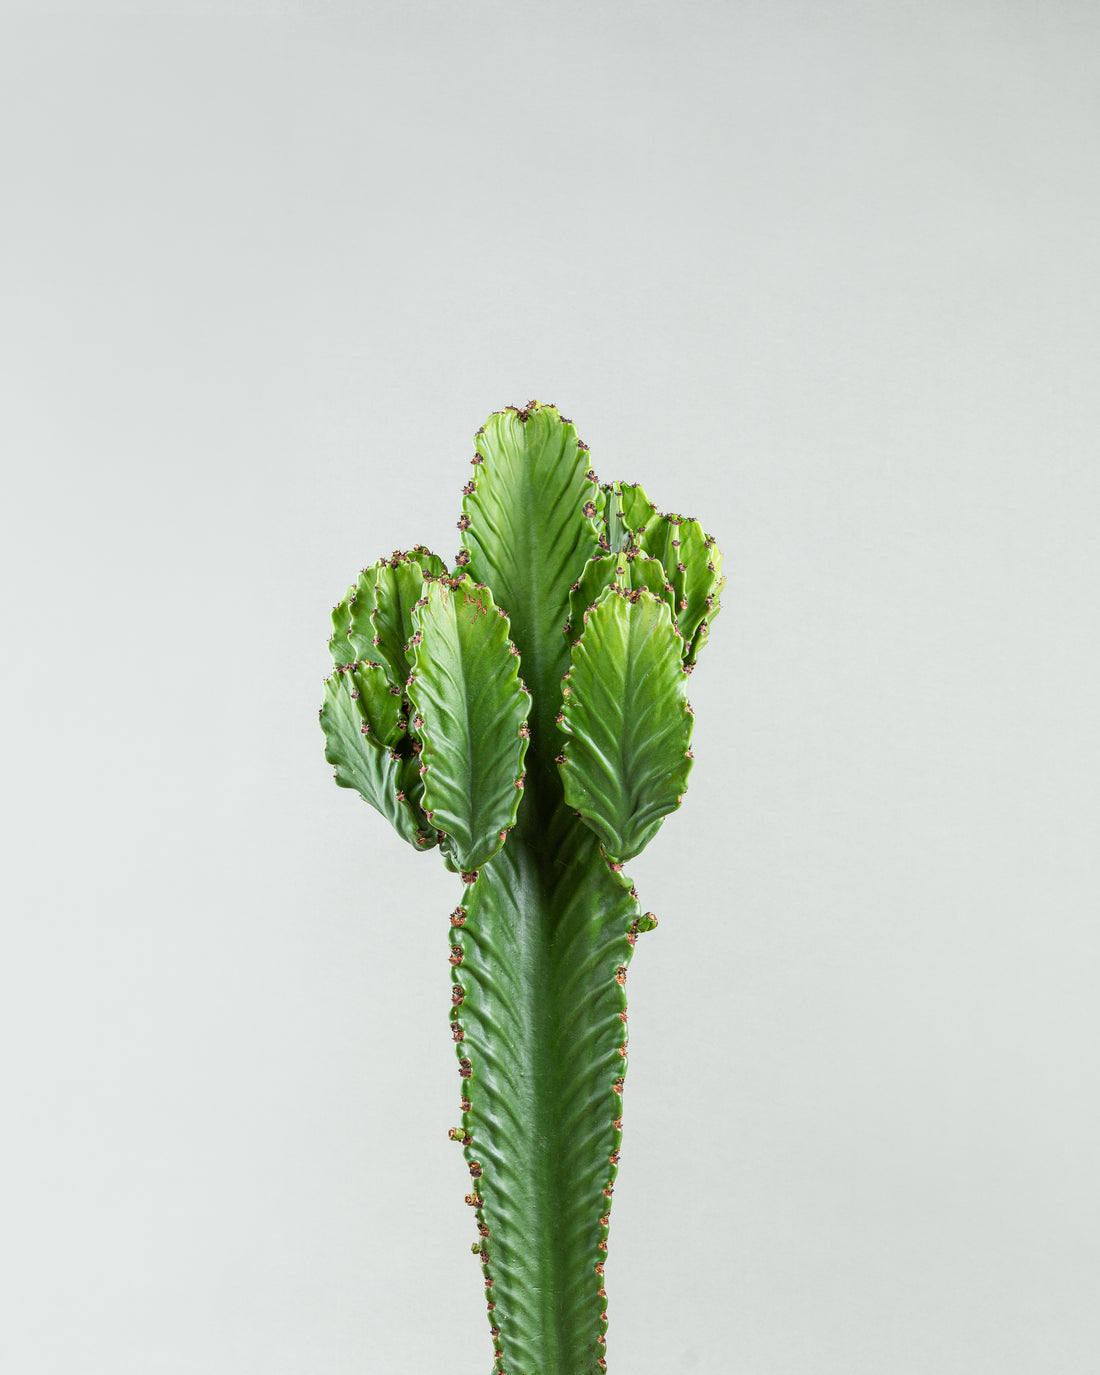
pixel 528 713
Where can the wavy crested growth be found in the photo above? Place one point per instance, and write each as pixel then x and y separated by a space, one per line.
pixel 526 711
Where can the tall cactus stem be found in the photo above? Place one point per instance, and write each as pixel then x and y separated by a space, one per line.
pixel 527 714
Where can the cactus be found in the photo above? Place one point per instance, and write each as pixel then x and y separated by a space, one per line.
pixel 527 712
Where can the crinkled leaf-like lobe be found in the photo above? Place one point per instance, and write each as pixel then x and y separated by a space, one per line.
pixel 411 785
pixel 530 524
pixel 398 587
pixel 338 645
pixel 545 942
pixel 372 771
pixel 432 565
pixel 347 642
pixel 712 600
pixel 691 559
pixel 465 685
pixel 380 703
pixel 446 851
pixel 644 573
pixel 628 571
pixel 698 592
pixel 636 506
pixel 360 632
pixel 680 544
pixel 596 577
pixel 627 722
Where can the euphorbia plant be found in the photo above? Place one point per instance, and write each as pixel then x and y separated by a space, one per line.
pixel 527 713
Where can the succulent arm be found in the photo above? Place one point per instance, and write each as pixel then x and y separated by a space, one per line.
pixel 527 712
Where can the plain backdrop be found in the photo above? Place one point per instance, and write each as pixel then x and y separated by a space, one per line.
pixel 825 275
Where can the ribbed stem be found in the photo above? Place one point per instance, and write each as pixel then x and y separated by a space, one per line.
pixel 545 939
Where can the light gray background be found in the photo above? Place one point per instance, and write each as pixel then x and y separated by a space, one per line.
pixel 824 274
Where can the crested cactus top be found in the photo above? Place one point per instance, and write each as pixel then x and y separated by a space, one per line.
pixel 568 605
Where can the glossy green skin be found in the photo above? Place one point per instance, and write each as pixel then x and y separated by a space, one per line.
pixel 536 787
